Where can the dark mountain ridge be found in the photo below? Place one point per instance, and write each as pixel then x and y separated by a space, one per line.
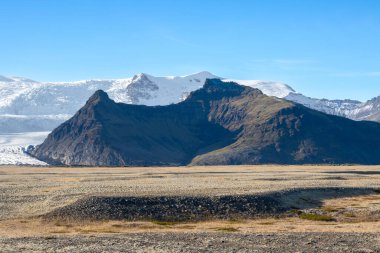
pixel 221 123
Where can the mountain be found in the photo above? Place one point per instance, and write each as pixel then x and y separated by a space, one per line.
pixel 220 124
pixel 351 109
pixel 344 108
pixel 27 105
pixel 275 89
pixel 22 96
pixel 30 106
pixel 369 110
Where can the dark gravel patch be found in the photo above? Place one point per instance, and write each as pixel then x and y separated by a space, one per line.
pixel 197 208
pixel 173 208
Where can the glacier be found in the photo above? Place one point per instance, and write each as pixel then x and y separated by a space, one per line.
pixel 13 148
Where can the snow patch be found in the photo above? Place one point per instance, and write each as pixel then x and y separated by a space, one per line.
pixel 269 88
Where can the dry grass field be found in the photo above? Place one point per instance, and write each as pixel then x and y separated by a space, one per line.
pixel 298 208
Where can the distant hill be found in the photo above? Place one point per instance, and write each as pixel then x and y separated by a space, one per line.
pixel 222 123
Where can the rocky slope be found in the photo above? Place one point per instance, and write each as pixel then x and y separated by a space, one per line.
pixel 222 123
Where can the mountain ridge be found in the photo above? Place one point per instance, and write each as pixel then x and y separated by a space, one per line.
pixel 54 102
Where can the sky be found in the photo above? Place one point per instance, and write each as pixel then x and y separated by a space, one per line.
pixel 325 48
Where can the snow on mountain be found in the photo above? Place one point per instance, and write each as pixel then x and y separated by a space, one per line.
pixel 369 110
pixel 275 89
pixel 335 107
pixel 57 98
pixel 27 105
pixel 352 109
pixel 150 90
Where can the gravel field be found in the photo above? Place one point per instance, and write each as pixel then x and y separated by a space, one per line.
pixel 198 242
pixel 242 209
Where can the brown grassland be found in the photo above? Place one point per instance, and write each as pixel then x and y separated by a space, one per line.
pixel 29 192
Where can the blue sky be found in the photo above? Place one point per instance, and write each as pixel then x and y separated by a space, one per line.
pixel 324 48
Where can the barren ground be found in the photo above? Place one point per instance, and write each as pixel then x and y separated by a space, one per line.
pixel 238 208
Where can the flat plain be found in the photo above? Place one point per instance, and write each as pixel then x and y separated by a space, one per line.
pixel 190 209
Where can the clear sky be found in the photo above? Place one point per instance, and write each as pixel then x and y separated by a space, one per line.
pixel 322 48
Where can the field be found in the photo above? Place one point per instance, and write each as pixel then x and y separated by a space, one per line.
pixel 190 209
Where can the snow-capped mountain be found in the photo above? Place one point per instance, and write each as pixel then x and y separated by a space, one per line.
pixel 30 106
pixel 351 109
pixel 26 97
pixel 348 108
pixel 27 105
pixel 342 108
pixel 369 110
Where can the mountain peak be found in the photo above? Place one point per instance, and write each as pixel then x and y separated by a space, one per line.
pixel 99 96
pixel 140 76
pixel 216 88
pixel 217 84
pixel 203 75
